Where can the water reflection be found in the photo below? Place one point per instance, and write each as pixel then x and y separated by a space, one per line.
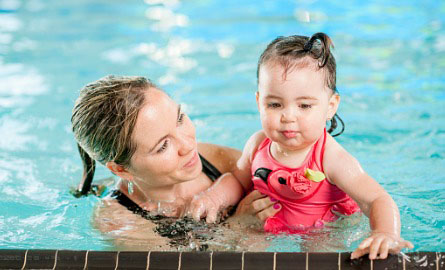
pixel 20 182
pixel 19 85
pixel 390 75
pixel 15 134
pixel 9 23
pixel 177 55
pixel 164 16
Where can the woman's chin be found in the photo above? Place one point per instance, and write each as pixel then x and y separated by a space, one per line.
pixel 189 174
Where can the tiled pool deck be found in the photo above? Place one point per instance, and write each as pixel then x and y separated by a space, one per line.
pixel 82 259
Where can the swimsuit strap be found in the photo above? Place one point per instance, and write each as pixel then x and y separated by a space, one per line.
pixel 122 199
pixel 211 171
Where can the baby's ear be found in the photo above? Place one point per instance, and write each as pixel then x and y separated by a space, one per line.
pixel 334 101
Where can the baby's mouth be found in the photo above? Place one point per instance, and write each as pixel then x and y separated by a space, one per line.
pixel 289 134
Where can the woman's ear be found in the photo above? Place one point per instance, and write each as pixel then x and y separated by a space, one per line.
pixel 119 170
pixel 334 101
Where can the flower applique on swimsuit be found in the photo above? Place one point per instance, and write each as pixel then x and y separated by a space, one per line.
pixel 287 183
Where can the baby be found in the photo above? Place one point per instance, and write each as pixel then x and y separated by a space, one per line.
pixel 295 160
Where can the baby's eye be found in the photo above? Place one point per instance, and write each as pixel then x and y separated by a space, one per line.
pixel 305 106
pixel 163 147
pixel 273 105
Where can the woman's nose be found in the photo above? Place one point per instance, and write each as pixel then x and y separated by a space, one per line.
pixel 186 144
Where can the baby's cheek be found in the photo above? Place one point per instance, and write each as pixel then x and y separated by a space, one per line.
pixel 269 128
pixel 270 121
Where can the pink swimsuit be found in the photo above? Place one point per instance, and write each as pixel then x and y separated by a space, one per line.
pixel 305 203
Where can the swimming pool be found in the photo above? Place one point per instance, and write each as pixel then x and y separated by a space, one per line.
pixel 391 66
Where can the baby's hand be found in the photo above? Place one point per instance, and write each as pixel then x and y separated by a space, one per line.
pixel 174 208
pixel 380 243
pixel 207 204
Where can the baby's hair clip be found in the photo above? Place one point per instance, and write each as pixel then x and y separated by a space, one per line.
pixel 308 46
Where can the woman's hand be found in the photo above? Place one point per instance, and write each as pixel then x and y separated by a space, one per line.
pixel 380 243
pixel 258 205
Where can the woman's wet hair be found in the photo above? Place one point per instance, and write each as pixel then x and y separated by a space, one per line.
pixel 301 52
pixel 104 117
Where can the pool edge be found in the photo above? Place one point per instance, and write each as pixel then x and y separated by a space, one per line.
pixel 85 259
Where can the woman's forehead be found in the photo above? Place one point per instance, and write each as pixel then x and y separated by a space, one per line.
pixel 155 118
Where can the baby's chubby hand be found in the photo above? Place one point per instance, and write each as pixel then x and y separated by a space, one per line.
pixel 174 208
pixel 380 243
pixel 207 205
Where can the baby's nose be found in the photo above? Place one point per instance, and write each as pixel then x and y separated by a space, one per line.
pixel 289 115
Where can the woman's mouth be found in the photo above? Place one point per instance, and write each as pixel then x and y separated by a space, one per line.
pixel 192 162
pixel 289 134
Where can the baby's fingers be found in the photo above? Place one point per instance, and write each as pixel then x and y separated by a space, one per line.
pixel 375 247
pixel 397 246
pixel 407 244
pixel 384 247
pixel 212 215
pixel 363 248
pixel 196 211
pixel 359 252
pixel 366 243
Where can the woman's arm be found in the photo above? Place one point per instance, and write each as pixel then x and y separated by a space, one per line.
pixel 222 157
pixel 343 170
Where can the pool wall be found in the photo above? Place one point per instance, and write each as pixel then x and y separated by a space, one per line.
pixel 84 259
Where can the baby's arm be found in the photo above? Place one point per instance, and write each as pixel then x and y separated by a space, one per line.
pixel 225 192
pixel 343 170
pixel 229 188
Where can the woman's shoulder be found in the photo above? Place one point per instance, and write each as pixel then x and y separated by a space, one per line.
pixel 222 157
pixel 110 215
pixel 225 158
pixel 126 229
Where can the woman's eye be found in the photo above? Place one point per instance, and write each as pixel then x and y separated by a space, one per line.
pixel 181 118
pixel 163 147
pixel 305 106
pixel 273 105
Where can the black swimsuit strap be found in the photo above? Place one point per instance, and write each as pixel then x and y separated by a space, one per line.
pixel 210 170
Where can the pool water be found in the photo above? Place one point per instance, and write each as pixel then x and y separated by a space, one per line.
pixel 391 77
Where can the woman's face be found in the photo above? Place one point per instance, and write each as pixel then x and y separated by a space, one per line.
pixel 166 148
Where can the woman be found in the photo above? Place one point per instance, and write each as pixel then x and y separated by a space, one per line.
pixel 141 135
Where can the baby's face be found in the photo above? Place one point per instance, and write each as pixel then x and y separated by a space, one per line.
pixel 294 106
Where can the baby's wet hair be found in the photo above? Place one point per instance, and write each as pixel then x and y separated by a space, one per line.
pixel 300 52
